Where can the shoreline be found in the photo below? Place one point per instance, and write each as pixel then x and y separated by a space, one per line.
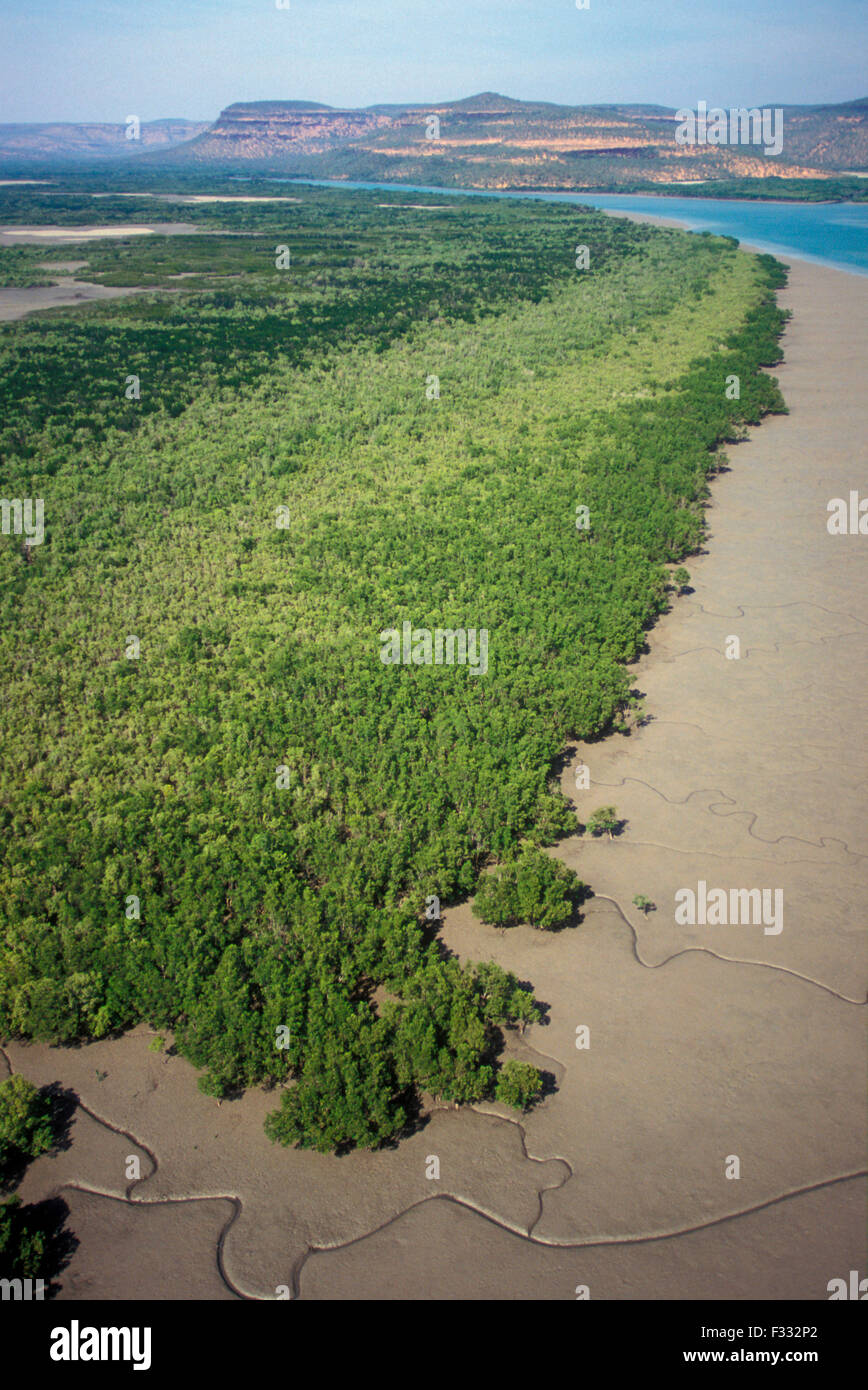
pixel 557 192
pixel 653 219
pixel 756 248
pixel 712 197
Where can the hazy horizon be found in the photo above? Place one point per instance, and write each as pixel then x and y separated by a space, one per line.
pixel 442 101
pixel 106 58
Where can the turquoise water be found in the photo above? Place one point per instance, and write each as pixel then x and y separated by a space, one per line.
pixel 833 234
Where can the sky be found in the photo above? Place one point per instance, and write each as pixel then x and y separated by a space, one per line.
pixel 102 60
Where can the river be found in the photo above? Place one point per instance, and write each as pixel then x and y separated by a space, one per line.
pixel 834 234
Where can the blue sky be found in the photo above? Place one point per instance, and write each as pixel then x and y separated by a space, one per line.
pixel 101 60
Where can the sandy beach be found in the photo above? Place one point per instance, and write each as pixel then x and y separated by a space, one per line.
pixel 707 1043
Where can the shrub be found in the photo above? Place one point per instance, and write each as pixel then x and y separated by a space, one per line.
pixel 518 1085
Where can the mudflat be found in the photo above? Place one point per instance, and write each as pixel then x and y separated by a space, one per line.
pixel 15 302
pixel 709 1141
pixel 59 236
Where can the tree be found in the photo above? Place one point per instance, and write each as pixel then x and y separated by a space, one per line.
pixel 518 1085
pixel 25 1121
pixel 533 888
pixel 504 1000
pixel 681 579
pixel 604 820
pixel 348 1093
pixel 28 1235
pixel 22 1245
pixel 644 904
pixel 495 900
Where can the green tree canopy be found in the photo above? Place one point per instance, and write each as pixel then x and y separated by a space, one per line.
pixel 603 821
pixel 533 888
pixel 25 1121
pixel 518 1084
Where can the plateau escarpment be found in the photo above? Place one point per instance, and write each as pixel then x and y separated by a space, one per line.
pixel 487 141
pixel 493 141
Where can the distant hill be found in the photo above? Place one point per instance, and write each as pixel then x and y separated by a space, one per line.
pixel 74 142
pixel 484 141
